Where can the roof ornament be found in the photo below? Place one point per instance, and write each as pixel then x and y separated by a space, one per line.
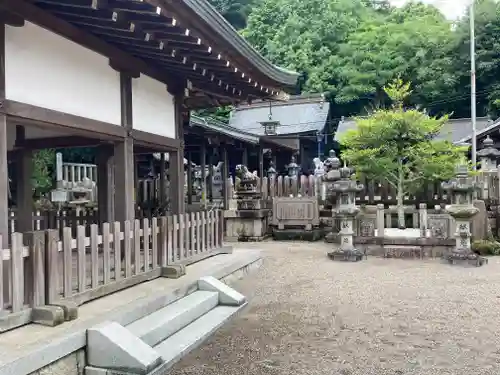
pixel 322 102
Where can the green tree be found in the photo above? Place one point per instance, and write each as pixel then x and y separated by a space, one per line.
pixel 235 11
pixel 398 145
pixel 487 29
pixel 413 42
pixel 352 48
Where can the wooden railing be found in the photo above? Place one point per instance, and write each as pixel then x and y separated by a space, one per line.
pixel 45 268
pixel 22 279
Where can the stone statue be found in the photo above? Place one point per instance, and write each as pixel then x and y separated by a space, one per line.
pixel 244 174
pixel 319 168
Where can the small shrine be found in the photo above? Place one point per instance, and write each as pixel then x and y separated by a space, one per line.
pixel 346 210
pixel 461 189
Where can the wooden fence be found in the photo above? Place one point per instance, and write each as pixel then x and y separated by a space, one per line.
pixel 46 268
pixel 374 192
pixel 57 219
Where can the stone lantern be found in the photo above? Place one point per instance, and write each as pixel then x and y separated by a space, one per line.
pixel 488 156
pixel 346 209
pixel 461 190
pixel 271 171
pixel 293 168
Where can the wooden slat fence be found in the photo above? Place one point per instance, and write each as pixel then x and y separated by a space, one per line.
pixel 82 268
pixel 22 281
pixel 57 219
pixel 45 267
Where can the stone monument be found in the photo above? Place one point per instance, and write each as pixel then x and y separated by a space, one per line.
pixel 461 190
pixel 249 221
pixel 346 209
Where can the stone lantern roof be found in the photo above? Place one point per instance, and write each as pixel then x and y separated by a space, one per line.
pixel 488 151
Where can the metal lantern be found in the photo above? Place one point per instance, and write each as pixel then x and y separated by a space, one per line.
pixel 270 127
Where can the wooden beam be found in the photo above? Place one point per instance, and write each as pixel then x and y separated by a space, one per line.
pixel 57 142
pixel 42 116
pixel 11 19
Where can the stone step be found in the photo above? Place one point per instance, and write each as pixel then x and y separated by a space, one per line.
pixel 155 342
pixel 163 323
pixel 178 345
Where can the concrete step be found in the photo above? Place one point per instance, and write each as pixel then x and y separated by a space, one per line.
pixel 160 325
pixel 190 337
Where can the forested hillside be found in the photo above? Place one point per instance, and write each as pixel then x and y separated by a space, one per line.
pixel 352 48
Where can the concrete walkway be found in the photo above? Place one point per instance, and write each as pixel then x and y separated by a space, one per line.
pixel 310 315
pixel 23 350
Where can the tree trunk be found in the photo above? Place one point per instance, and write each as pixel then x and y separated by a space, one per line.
pixel 400 196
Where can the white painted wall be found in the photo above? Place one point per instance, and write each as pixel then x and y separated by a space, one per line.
pixel 46 70
pixel 153 107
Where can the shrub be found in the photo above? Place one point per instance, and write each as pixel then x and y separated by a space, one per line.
pixel 486 247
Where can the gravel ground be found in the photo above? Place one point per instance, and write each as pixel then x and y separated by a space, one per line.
pixel 310 315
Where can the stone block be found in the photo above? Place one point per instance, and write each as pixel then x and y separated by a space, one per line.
pixel 70 310
pixel 48 315
pixel 227 295
pixel 480 224
pixel 173 271
pixel 112 346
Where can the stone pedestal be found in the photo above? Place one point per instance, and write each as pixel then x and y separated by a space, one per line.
pixel 462 210
pixel 346 210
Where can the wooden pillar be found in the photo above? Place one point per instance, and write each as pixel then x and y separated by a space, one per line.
pixel 189 178
pixel 203 158
pixel 124 157
pixel 177 194
pixel 261 161
pixel 105 183
pixel 211 174
pixel 163 180
pixel 4 175
pixel 225 176
pixel 24 185
pixel 244 157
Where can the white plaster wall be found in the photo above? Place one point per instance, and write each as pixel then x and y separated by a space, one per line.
pixel 153 107
pixel 49 71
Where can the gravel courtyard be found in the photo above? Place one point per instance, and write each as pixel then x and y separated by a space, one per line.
pixel 310 315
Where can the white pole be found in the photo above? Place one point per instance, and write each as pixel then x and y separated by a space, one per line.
pixel 473 85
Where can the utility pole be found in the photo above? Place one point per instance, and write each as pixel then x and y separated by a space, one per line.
pixel 473 84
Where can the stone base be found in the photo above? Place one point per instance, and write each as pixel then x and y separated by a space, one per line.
pixel 252 238
pixel 246 226
pixel 346 255
pixel 298 234
pixel 471 259
pixel 403 251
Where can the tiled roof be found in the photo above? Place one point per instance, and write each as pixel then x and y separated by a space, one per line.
pixel 456 130
pixel 299 114
pixel 220 127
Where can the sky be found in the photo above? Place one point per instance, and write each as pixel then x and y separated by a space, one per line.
pixel 452 9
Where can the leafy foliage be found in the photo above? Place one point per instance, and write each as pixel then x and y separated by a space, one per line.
pixel 235 12
pixel 43 168
pixel 398 145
